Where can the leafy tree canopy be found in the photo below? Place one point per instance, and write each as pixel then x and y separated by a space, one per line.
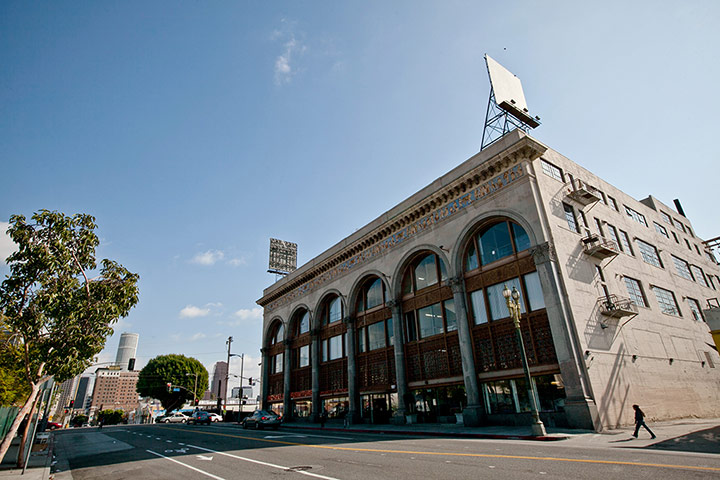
pixel 57 316
pixel 178 370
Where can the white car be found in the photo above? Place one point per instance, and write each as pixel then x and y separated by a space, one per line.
pixel 214 417
pixel 176 417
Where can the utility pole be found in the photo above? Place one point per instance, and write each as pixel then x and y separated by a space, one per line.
pixel 227 372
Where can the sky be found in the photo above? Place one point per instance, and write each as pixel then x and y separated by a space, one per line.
pixel 195 131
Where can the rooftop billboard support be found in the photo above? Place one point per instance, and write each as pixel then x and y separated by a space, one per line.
pixel 507 108
pixel 283 257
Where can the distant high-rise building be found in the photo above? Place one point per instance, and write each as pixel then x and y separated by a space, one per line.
pixel 126 349
pixel 220 371
pixel 84 389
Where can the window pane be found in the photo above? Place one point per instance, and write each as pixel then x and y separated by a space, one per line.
pixel 450 319
pixel 477 303
pixel 278 363
pixel 570 217
pixel 410 326
pixel 426 273
pixel 335 347
pixel 522 240
pixel 695 309
pixel 534 291
pixel 666 299
pixel 551 170
pixel 391 334
pixel 376 335
pixel 649 253
pixel 375 294
pixel 305 323
pixel 430 320
pixel 661 230
pixel 361 339
pixel 682 267
pixel 625 242
pixel 698 274
pixel 498 305
pixel 471 262
pixel 304 356
pixel 612 233
pixel 635 292
pixel 495 243
pixel 499 396
pixel 335 310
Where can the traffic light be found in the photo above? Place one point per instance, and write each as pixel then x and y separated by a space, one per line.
pixel 72 402
pixel 197 401
pixel 250 381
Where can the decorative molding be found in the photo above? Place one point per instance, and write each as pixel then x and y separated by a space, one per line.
pixel 457 284
pixel 349 321
pixel 543 253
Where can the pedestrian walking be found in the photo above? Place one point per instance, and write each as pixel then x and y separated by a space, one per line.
pixel 640 422
pixel 323 418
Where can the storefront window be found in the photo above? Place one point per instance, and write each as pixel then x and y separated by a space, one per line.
pixel 302 408
pixel 499 396
pixel 551 391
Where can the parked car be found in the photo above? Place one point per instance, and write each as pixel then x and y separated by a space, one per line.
pixel 176 417
pixel 214 417
pixel 261 419
pixel 200 416
pixel 53 425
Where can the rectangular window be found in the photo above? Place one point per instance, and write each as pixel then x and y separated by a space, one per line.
pixel 450 319
pixel 361 339
pixel 612 233
pixel 666 218
pixel 390 332
pixel 689 231
pixel 697 249
pixel 335 347
pixel 699 275
pixel 570 217
pixel 376 336
pixel 613 203
pixel 649 253
pixel 598 225
pixel 687 244
pixel 667 302
pixel 710 256
pixel 499 396
pixel 637 216
pixel 410 327
pixel 682 267
pixel 536 301
pixel 304 359
pixel 497 302
pixel 695 309
pixel 661 230
pixel 625 242
pixel 430 320
pixel 678 225
pixel 675 237
pixel 278 363
pixel 477 303
pixel 551 170
pixel 635 292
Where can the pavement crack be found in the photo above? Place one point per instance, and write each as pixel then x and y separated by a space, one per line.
pixel 299 468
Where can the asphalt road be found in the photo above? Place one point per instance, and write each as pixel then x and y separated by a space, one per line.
pixel 157 452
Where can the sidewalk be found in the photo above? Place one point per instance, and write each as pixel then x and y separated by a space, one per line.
pixel 38 467
pixel 675 431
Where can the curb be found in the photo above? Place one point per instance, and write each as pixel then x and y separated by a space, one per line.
pixel 487 436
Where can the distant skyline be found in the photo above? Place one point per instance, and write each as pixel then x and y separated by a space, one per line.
pixel 195 131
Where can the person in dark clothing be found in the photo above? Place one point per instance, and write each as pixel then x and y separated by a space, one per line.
pixel 323 418
pixel 640 422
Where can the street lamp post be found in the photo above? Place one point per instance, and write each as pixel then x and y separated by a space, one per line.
pixel 195 389
pixel 513 305
pixel 242 367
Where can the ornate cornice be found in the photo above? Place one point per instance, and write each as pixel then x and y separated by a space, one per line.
pixel 543 253
pixel 470 187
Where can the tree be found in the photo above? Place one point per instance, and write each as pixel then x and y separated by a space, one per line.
pixel 57 316
pixel 180 372
pixel 13 385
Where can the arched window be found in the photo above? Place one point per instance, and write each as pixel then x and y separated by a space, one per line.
pixel 277 335
pixel 372 295
pixel 425 271
pixel 302 322
pixel 494 242
pixel 332 311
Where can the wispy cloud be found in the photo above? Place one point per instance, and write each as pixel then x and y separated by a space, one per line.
pixel 249 313
pixel 7 246
pixel 209 258
pixel 191 311
pixel 285 63
pixel 237 262
pixel 198 336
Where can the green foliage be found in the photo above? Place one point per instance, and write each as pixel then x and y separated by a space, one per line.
pixel 180 371
pixel 59 317
pixel 14 388
pixel 78 420
pixel 112 417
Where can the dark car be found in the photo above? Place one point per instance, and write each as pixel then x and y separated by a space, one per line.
pixel 261 419
pixel 200 416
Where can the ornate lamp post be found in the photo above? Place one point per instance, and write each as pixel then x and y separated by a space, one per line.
pixel 513 305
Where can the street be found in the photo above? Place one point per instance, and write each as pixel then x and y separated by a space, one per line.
pixel 227 451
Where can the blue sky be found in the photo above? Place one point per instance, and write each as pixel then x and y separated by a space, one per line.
pixel 194 131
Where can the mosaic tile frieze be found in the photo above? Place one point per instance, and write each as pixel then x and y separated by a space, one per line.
pixel 418 227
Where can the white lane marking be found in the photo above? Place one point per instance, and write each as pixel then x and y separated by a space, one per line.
pixel 186 465
pixel 203 457
pixel 263 463
pixel 168 441
pixel 331 437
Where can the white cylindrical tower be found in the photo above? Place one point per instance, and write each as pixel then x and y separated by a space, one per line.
pixel 126 349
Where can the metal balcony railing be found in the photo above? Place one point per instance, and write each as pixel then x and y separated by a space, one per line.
pixel 599 247
pixel 583 193
pixel 616 306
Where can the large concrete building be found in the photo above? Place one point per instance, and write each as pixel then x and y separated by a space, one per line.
pixel 405 320
pixel 115 390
